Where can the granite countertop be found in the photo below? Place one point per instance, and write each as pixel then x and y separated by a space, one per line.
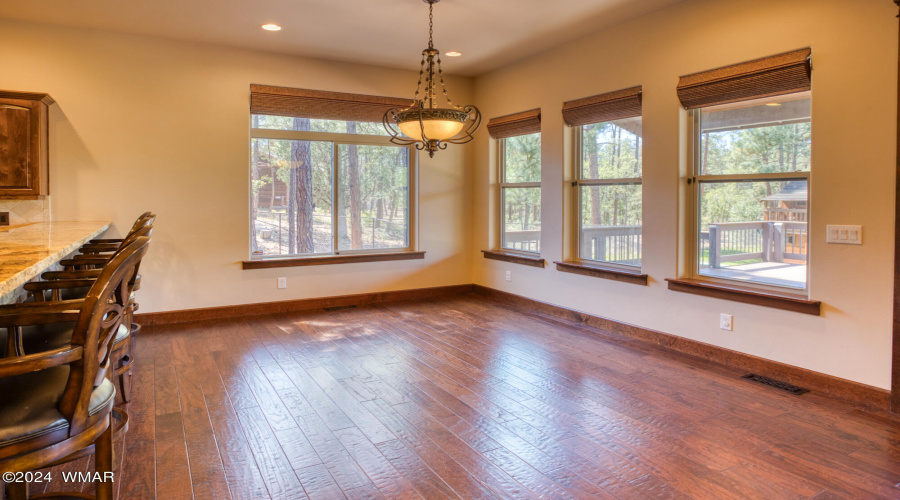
pixel 27 250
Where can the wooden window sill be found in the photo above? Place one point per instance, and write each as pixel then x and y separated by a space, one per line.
pixel 738 294
pixel 515 258
pixel 331 259
pixel 601 271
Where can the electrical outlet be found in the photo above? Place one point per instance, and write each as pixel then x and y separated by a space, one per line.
pixel 508 275
pixel 282 282
pixel 4 218
pixel 725 322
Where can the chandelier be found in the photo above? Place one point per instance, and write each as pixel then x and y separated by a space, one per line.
pixel 425 124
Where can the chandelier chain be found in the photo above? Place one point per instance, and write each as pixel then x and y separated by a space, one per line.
pixel 443 84
pixel 430 25
pixel 421 73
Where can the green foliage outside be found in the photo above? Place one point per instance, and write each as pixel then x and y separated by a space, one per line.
pixel 522 206
pixel 778 148
pixel 611 150
pixel 382 189
pixel 778 144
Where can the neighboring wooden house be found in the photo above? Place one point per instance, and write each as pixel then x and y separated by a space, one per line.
pixel 789 204
pixel 272 194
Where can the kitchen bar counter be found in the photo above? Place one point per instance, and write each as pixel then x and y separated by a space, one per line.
pixel 27 250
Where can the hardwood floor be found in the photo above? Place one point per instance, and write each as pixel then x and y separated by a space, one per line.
pixel 463 398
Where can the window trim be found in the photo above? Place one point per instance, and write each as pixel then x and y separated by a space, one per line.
pixel 501 185
pixel 577 183
pixel 692 212
pixel 338 139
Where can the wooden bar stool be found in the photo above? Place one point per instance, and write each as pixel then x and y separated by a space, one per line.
pixel 57 403
pixel 74 284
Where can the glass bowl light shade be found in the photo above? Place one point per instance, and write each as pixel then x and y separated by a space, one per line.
pixel 438 123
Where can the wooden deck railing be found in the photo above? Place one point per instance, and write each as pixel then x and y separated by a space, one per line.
pixel 764 240
pixel 733 241
pixel 786 214
pixel 527 241
pixel 621 244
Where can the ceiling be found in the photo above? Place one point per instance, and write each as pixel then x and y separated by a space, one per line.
pixel 489 33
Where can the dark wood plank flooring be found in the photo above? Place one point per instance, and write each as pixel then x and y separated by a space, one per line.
pixel 462 398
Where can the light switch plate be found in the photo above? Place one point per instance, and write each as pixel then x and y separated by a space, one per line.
pixel 847 235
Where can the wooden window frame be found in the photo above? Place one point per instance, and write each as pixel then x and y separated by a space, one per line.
pixel 338 139
pixel 576 221
pixel 692 214
pixel 501 186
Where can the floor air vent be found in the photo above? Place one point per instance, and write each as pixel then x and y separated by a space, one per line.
pixel 338 308
pixel 784 386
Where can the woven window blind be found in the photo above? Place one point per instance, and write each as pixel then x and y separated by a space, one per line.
pixel 770 76
pixel 625 103
pixel 322 104
pixel 526 122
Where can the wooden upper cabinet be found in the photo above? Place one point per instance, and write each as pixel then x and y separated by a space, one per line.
pixel 24 144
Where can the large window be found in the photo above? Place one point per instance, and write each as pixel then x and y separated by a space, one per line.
pixel 751 188
pixel 520 193
pixel 608 183
pixel 321 186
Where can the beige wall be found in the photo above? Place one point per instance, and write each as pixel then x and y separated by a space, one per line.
pixel 147 124
pixel 854 47
pixel 143 123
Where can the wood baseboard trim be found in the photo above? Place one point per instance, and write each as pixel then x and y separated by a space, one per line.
pixel 288 306
pixel 847 390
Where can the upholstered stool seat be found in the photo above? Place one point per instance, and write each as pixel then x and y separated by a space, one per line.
pixel 41 338
pixel 27 413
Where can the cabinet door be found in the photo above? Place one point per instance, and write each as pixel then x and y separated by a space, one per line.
pixel 16 125
pixel 23 148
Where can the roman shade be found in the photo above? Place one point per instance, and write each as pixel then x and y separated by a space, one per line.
pixel 770 76
pixel 526 122
pixel 625 103
pixel 321 104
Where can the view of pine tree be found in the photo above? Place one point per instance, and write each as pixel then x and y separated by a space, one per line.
pixel 753 228
pixel 353 181
pixel 254 192
pixel 611 150
pixel 767 149
pixel 377 176
pixel 523 164
pixel 300 198
pixel 372 206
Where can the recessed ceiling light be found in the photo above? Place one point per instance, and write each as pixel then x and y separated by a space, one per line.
pixel 271 27
pixel 453 53
pixel 773 104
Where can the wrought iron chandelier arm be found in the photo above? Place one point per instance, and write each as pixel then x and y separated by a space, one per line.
pixel 468 133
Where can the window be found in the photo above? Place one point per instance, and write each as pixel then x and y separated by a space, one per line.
pixel 608 181
pixel 323 185
pixel 751 186
pixel 520 193
pixel 519 159
pixel 750 125
pixel 606 223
